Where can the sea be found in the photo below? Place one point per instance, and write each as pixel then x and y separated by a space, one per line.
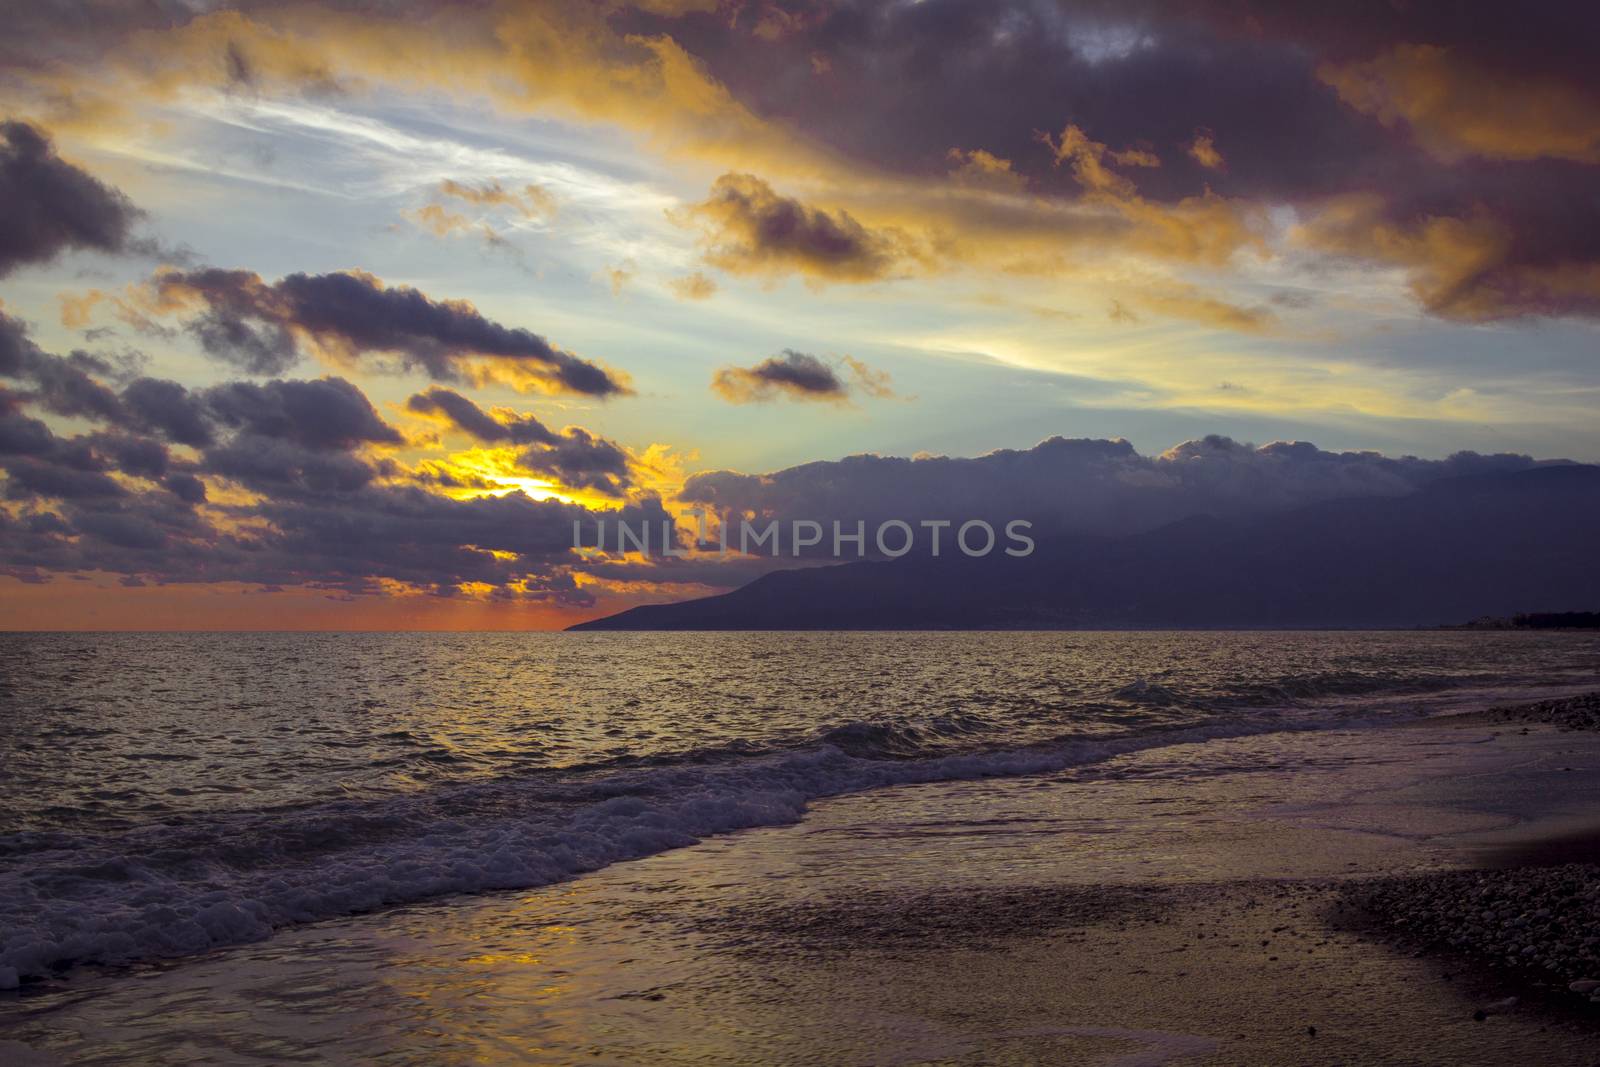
pixel 166 795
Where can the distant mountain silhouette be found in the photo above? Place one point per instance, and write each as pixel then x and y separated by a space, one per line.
pixel 1492 544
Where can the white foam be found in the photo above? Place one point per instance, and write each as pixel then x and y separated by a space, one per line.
pixel 165 892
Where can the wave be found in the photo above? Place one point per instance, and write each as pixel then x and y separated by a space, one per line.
pixel 175 889
pixel 172 891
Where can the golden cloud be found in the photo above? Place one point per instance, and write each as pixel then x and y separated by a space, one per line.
pixel 1203 150
pixel 1457 109
pixel 695 286
pixel 854 224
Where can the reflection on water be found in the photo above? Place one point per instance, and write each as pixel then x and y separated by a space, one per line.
pixel 109 731
pixel 809 943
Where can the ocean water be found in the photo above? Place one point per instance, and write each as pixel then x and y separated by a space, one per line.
pixel 168 794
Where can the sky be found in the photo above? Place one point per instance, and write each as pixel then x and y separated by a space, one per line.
pixel 338 315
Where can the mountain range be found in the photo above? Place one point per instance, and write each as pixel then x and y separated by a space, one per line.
pixel 1462 547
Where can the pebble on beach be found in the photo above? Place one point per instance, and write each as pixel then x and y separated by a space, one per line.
pixel 1540 921
pixel 1569 713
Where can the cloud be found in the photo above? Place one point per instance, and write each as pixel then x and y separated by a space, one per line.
pixel 747 228
pixel 282 466
pixel 1077 486
pixel 48 206
pixel 531 201
pixel 284 483
pixel 574 457
pixel 1473 267
pixel 798 376
pixel 695 286
pixel 156 405
pixel 1461 87
pixel 296 483
pixel 977 169
pixel 492 199
pixel 326 414
pixel 439 220
pixel 469 417
pixel 581 460
pixel 1458 109
pixel 263 328
pixel 619 276
pixel 839 102
pixel 1203 150
pixel 1087 159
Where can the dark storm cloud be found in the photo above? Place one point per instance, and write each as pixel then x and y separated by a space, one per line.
pixel 64 387
pixel 263 327
pixel 901 85
pixel 328 413
pixel 1474 128
pixel 253 347
pixel 29 477
pixel 794 374
pixel 61 385
pixel 186 487
pixel 323 513
pixel 321 414
pixel 412 536
pixel 157 405
pixel 21 435
pixel 48 206
pixel 140 457
pixel 277 465
pixel 469 417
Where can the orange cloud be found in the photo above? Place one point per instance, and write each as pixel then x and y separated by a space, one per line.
pixel 1456 109
pixel 694 286
pixel 1450 262
pixel 565 60
pixel 982 170
pixel 1203 150
pixel 438 220
pixel 531 201
pixel 1087 159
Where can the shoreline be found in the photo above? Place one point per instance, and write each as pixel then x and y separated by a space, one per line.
pixel 1173 905
pixel 1528 910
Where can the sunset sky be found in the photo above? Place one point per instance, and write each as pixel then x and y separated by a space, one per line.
pixel 337 315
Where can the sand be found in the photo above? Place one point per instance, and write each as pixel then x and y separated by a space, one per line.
pixel 1189 905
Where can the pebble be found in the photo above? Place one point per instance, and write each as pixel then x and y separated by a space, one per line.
pixel 1538 920
pixel 1569 713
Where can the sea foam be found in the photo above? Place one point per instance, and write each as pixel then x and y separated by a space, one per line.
pixel 172 891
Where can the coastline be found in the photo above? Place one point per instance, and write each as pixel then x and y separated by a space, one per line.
pixel 1168 905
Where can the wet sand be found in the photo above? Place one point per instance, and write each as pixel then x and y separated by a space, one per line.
pixel 1181 905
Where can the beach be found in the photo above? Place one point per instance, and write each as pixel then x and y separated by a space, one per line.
pixel 1196 903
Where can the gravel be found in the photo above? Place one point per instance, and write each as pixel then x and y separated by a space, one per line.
pixel 1543 922
pixel 1569 713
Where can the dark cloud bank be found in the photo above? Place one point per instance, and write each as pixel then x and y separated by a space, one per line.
pixel 326 511
pixel 262 327
pixel 1479 113
pixel 48 206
